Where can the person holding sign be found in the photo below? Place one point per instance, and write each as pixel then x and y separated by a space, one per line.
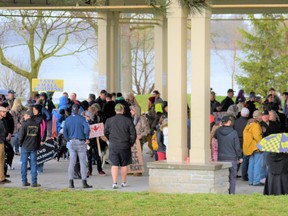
pixel 121 133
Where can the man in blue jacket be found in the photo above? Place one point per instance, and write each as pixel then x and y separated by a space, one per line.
pixel 76 131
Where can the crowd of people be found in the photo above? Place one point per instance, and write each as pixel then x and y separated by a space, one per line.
pixel 236 129
pixel 25 128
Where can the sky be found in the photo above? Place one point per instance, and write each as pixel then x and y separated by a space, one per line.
pixel 79 72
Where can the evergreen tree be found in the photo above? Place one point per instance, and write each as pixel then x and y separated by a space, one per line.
pixel 266 61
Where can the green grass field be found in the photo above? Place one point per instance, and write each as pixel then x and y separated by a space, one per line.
pixel 65 202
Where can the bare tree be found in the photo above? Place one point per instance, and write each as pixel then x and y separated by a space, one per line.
pixel 11 80
pixel 142 53
pixel 44 34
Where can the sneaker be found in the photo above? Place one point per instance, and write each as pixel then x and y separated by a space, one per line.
pixel 26 184
pixel 115 186
pixel 124 184
pixel 5 181
pixel 36 185
pixel 102 173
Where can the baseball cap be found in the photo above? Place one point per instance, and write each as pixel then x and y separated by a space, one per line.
pixel 75 108
pixel 225 119
pixel 265 112
pixel 11 92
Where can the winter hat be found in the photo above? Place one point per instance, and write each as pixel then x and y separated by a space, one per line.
pixel 252 95
pixel 3 109
pixel 29 112
pixel 256 114
pixel 89 114
pixel 119 107
pixel 245 112
pixel 164 104
pixel 38 107
pixel 151 99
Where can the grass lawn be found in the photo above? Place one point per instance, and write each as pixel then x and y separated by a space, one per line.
pixel 65 202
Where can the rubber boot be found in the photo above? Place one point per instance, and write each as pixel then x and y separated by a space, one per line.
pixel 85 185
pixel 71 183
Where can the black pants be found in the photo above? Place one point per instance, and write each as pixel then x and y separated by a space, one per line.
pixel 93 153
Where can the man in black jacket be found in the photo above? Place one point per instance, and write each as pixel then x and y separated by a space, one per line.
pixel 229 149
pixel 29 141
pixel 3 135
pixel 227 102
pixel 121 133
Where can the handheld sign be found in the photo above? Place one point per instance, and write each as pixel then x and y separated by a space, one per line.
pixel 96 130
pixel 46 152
pixel 137 165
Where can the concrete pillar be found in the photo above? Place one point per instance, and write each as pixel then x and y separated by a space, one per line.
pixel 177 78
pixel 108 51
pixel 200 82
pixel 126 68
pixel 160 47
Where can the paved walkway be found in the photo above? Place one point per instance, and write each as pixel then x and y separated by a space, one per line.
pixel 55 178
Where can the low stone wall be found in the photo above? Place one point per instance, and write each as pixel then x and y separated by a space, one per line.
pixel 167 177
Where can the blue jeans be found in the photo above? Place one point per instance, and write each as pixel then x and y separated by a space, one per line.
pixel 245 165
pixel 16 143
pixel 257 168
pixel 33 164
pixel 77 147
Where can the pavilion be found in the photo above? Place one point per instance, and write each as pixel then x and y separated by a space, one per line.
pixel 176 175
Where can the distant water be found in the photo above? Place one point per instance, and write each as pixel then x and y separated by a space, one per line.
pixel 79 71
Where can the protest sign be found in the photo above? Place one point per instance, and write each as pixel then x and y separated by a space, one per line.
pixel 96 130
pixel 137 165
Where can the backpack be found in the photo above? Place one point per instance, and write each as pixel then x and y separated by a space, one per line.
pixel 154 142
pixel 143 126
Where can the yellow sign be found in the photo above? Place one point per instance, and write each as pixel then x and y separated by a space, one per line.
pixel 47 85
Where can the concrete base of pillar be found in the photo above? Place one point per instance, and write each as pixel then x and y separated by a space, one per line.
pixel 167 177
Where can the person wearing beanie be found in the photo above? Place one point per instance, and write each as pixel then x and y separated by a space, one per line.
pixel 121 133
pixel 252 135
pixel 29 140
pixel 239 126
pixel 76 131
pixel 120 100
pixel 49 106
pixel 250 104
pixel 108 109
pixel 229 149
pixel 41 121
